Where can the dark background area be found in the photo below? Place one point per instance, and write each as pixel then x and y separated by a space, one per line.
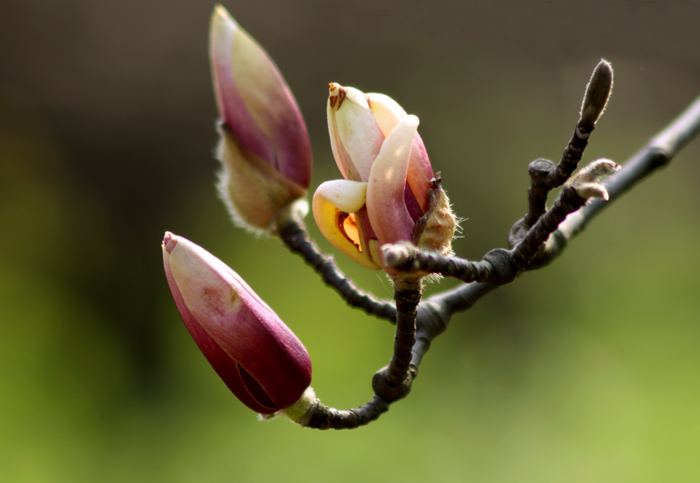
pixel 585 371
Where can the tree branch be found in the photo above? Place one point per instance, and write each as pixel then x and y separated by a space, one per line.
pixel 433 315
pixel 544 174
pixel 499 266
pixel 321 416
pixel 394 381
pixel 293 233
pixel 657 153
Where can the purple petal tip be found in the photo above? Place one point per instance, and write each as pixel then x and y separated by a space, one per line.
pixel 169 242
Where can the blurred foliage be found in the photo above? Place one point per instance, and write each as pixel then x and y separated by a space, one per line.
pixel 584 371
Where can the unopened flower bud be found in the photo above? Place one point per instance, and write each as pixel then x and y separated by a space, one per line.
pixel 264 150
pixel 390 193
pixel 597 92
pixel 256 355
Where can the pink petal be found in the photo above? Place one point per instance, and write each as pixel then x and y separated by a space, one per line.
pixel 225 317
pixel 232 109
pixel 420 173
pixel 386 204
pixel 255 101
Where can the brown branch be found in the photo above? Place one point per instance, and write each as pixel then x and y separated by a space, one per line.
pixel 409 258
pixel 657 153
pixel 293 233
pixel 499 266
pixel 394 381
pixel 544 174
pixel 321 416
pixel 434 314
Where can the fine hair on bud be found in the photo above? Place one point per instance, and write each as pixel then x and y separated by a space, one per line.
pixel 597 92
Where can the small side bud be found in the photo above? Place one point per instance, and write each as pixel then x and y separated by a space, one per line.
pixel 434 230
pixel 588 181
pixel 591 190
pixel 597 92
pixel 596 171
pixel 398 254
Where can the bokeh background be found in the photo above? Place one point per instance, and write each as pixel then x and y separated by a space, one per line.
pixel 585 371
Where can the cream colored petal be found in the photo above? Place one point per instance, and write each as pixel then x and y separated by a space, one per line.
pixel 272 106
pixel 357 130
pixel 387 112
pixel 341 156
pixel 356 96
pixel 347 196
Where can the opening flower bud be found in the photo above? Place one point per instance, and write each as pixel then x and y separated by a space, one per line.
pixel 256 355
pixel 376 145
pixel 264 150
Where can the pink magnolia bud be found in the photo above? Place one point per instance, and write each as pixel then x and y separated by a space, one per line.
pixel 389 193
pixel 261 361
pixel 265 149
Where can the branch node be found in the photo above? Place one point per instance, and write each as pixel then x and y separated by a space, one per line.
pixel 540 168
pixel 393 392
pixel 503 271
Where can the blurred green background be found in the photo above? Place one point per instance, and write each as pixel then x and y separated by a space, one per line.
pixel 585 371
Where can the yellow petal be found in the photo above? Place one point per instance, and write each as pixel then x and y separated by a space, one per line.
pixel 333 206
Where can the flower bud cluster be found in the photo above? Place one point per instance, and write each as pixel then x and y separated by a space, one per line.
pixel 389 194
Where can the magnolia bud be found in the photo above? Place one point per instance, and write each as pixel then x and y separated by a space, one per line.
pixel 260 360
pixel 264 149
pixel 390 193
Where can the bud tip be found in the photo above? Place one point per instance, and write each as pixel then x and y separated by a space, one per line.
pixel 169 242
pixel 597 92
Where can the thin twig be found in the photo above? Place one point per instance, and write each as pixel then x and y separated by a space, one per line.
pixel 390 383
pixel 544 174
pixel 407 294
pixel 498 266
pixel 321 416
pixel 394 381
pixel 594 102
pixel 409 258
pixel 656 154
pixel 295 236
pixel 525 252
pixel 435 313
